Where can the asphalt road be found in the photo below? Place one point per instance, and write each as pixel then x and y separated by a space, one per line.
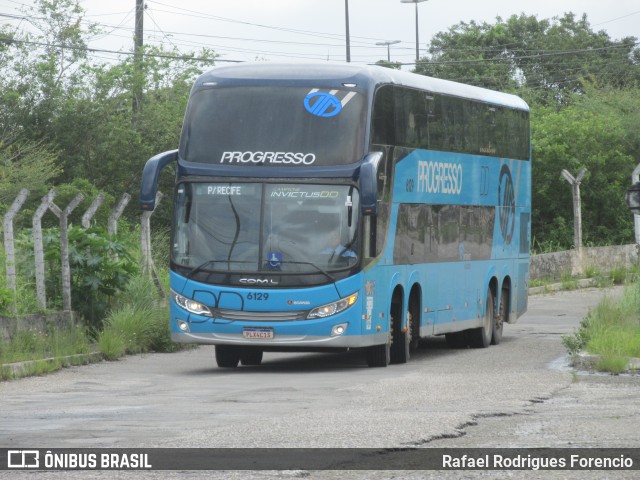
pixel 519 393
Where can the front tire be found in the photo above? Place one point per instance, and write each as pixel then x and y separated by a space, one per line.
pixel 251 356
pixel 227 356
pixel 379 355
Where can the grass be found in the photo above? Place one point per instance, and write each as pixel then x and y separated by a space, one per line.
pixel 32 344
pixel 569 282
pixel 140 324
pixel 49 351
pixel 611 330
pixel 619 275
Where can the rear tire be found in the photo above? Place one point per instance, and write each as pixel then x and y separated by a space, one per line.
pixel 227 356
pixel 481 337
pixel 503 313
pixel 401 338
pixel 414 321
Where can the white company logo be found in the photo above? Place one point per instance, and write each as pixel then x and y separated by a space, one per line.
pixel 439 177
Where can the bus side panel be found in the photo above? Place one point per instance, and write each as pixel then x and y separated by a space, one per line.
pixel 461 220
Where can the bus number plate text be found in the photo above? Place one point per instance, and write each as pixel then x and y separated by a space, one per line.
pixel 257 333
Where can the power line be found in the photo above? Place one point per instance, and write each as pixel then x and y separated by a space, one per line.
pixel 165 34
pixel 101 50
pixel 196 14
pixel 523 57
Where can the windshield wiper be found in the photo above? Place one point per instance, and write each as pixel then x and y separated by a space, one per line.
pixel 199 267
pixel 331 277
pixel 347 248
pixel 203 265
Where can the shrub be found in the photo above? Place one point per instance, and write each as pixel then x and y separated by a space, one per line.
pixel 611 330
pixel 111 344
pixel 101 266
pixel 140 324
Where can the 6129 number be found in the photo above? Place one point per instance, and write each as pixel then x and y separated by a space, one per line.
pixel 257 296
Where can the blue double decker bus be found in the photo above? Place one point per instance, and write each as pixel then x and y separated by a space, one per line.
pixel 332 207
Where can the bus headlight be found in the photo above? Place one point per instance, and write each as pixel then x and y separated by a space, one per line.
pixel 190 305
pixel 333 308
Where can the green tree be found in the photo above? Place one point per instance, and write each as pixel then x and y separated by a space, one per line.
pixel 574 138
pixel 385 63
pixel 549 60
pixel 25 164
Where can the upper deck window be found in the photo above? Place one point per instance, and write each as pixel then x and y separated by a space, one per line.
pixel 274 126
pixel 414 118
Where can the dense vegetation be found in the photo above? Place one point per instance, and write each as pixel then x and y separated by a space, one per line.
pixel 67 119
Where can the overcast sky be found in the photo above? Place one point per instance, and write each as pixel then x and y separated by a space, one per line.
pixel 296 30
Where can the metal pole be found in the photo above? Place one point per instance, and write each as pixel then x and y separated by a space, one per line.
pixel 138 41
pixel 416 2
pixel 417 38
pixel 388 43
pixel 346 18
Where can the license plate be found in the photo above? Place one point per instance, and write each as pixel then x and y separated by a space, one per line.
pixel 257 333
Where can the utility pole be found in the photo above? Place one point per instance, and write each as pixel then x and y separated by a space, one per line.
pixel 346 19
pixel 388 43
pixel 138 42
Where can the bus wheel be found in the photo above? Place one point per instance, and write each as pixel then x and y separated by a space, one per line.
pixel 227 356
pixel 251 356
pixel 379 355
pixel 400 338
pixel 414 322
pixel 481 337
pixel 503 312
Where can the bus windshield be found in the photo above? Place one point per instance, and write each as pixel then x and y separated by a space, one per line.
pixel 252 227
pixel 274 126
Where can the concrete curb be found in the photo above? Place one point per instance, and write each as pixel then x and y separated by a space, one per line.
pixel 556 287
pixel 587 361
pixel 22 369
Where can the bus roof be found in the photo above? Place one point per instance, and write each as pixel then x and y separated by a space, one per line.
pixel 365 76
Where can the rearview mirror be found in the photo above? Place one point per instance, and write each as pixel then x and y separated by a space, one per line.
pixel 150 174
pixel 369 184
pixel 632 198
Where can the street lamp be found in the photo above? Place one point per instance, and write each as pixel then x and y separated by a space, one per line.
pixel 387 43
pixel 417 40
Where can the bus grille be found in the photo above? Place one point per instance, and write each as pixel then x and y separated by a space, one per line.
pixel 237 315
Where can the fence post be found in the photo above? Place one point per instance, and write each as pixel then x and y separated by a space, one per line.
pixel 10 260
pixel 91 211
pixel 38 247
pixel 577 214
pixel 63 215
pixel 148 267
pixel 116 213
